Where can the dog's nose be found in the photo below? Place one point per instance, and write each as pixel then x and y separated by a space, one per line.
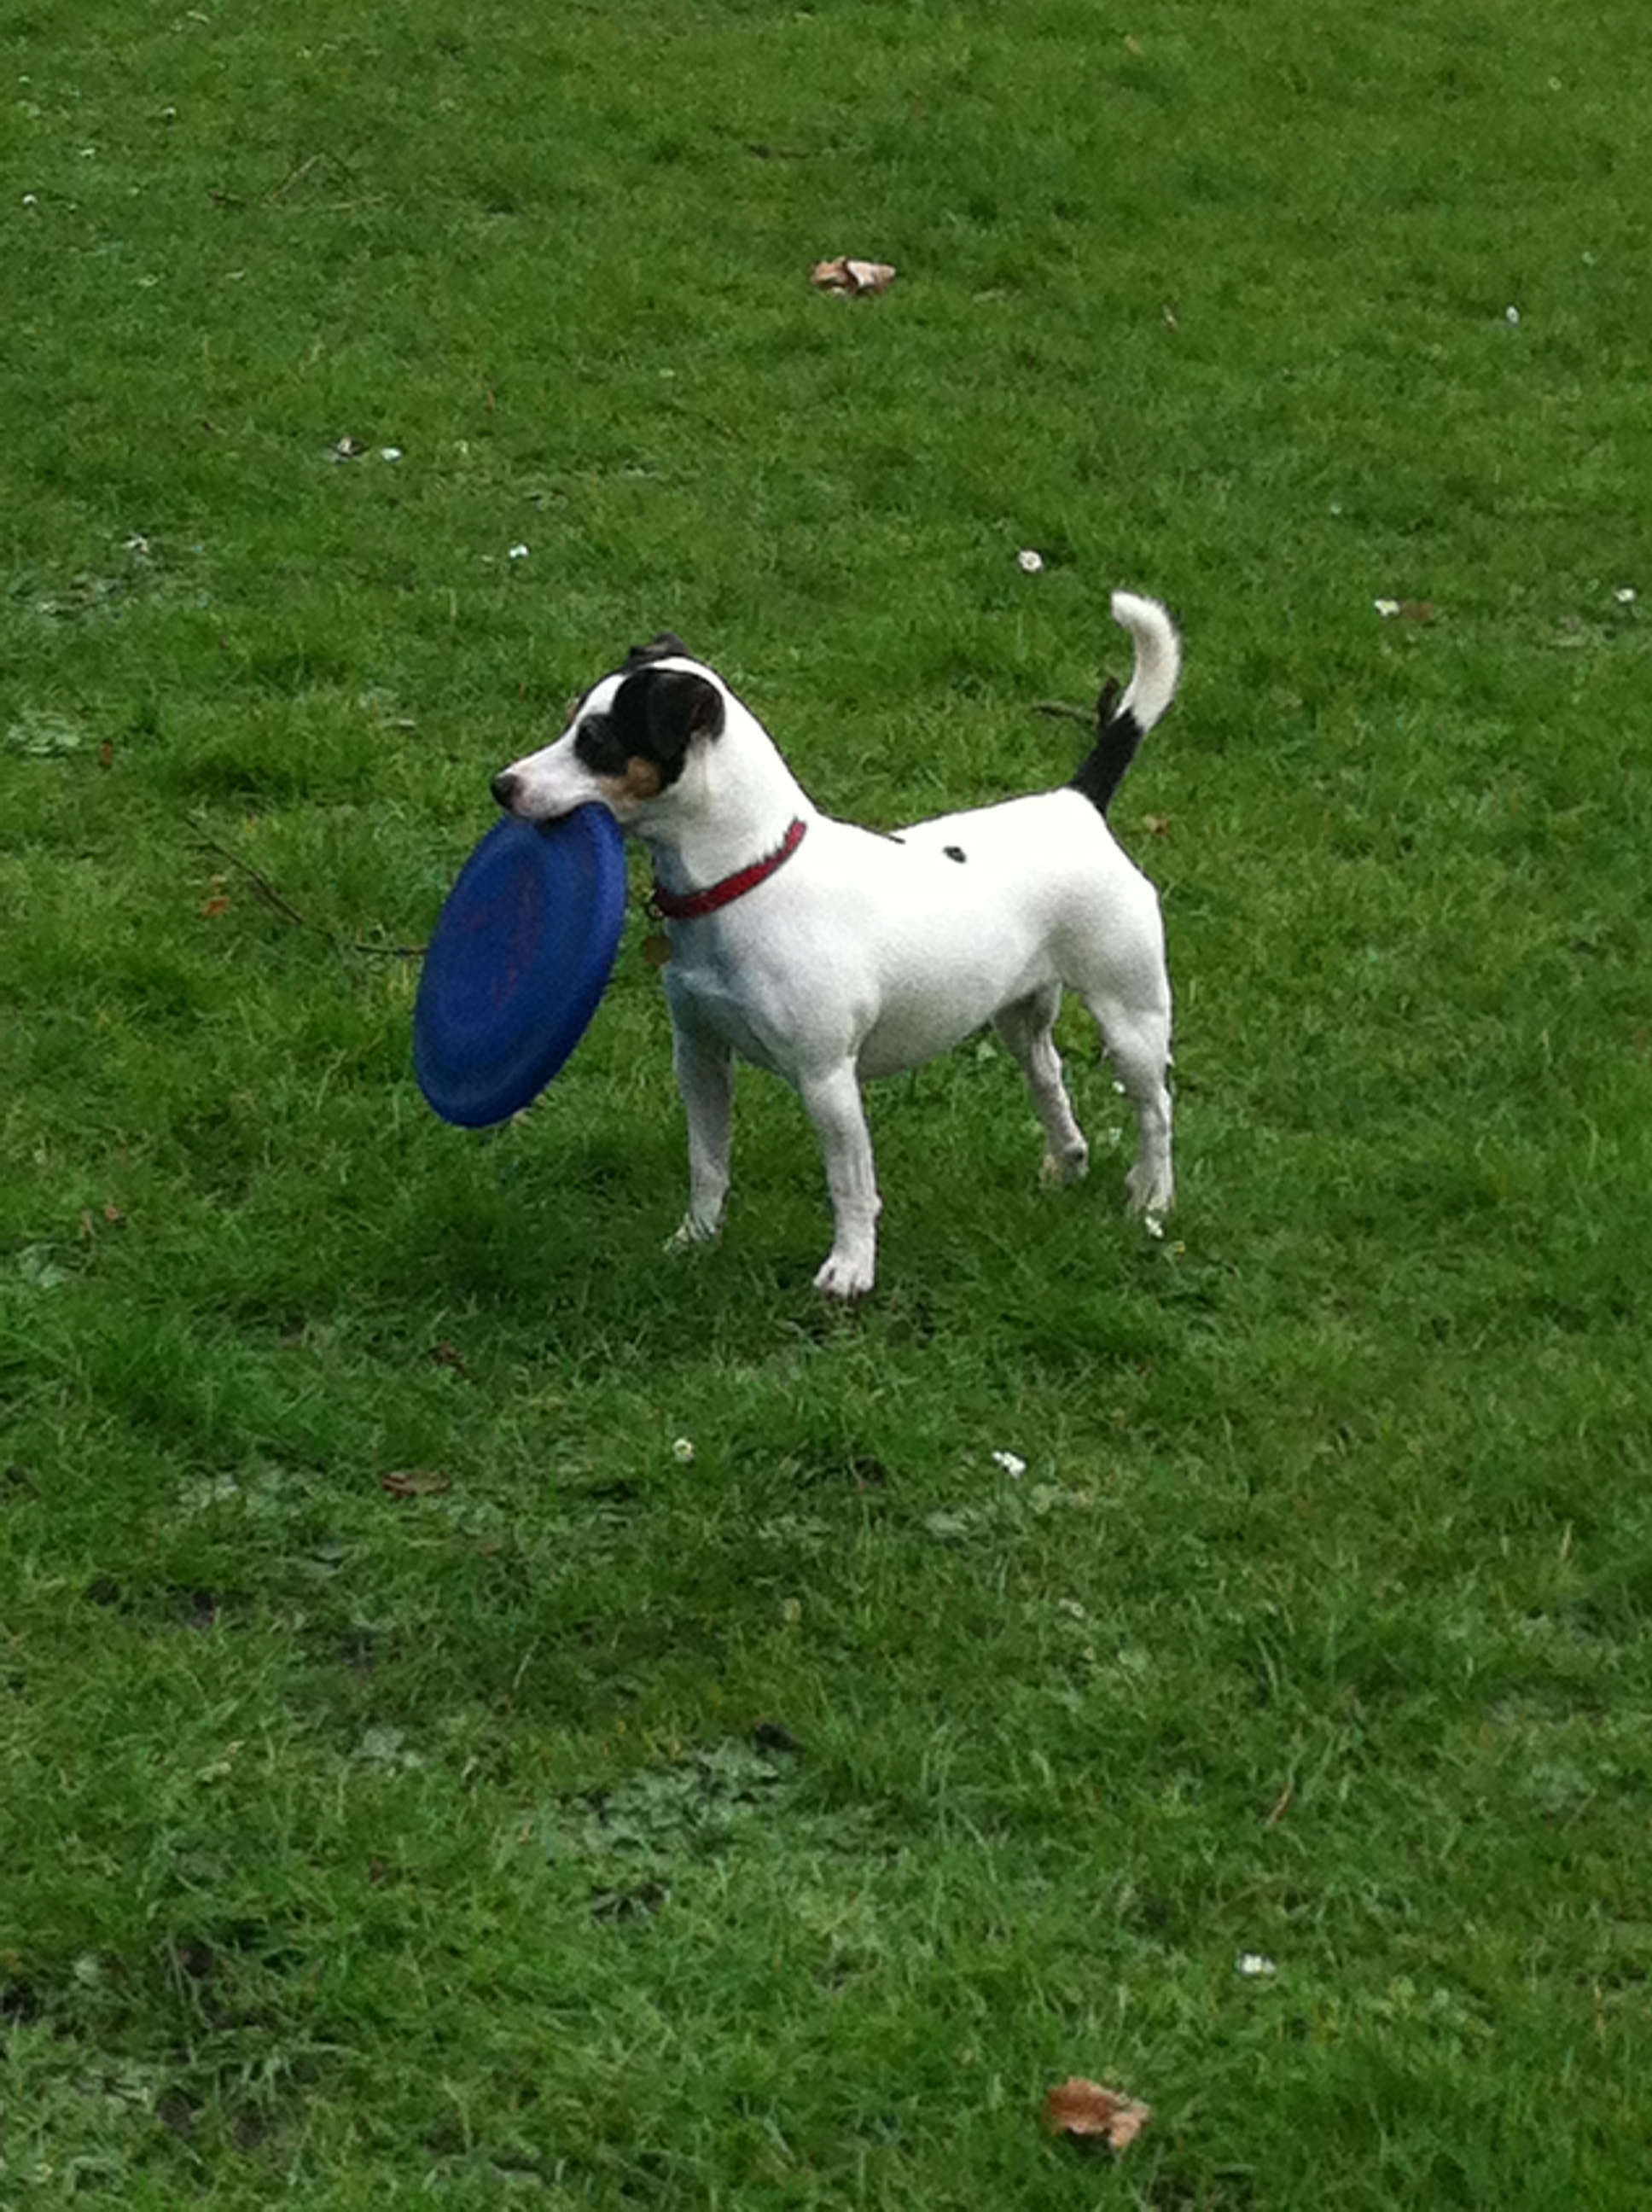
pixel 504 788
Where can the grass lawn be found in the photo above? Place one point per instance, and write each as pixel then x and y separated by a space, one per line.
pixel 489 1712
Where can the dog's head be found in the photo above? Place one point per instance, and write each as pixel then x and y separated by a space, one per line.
pixel 627 740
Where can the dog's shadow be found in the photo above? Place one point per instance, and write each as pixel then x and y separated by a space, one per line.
pixel 556 1227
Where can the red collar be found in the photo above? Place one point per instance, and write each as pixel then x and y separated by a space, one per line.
pixel 688 906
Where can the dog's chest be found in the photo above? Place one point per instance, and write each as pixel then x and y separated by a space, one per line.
pixel 714 994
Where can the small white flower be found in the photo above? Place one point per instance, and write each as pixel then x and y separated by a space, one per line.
pixel 390 452
pixel 1626 595
pixel 1012 1464
pixel 1153 1225
pixel 683 1450
pixel 518 553
pixel 1028 562
pixel 31 199
pixel 1253 1966
pixel 1385 607
pixel 1511 316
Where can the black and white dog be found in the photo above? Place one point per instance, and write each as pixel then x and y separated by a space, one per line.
pixel 829 953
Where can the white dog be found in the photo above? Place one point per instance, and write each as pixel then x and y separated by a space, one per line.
pixel 829 953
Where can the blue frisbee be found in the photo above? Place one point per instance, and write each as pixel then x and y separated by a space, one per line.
pixel 521 954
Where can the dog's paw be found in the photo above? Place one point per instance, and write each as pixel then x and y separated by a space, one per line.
pixel 691 1232
pixel 1071 1166
pixel 843 1276
pixel 1150 1194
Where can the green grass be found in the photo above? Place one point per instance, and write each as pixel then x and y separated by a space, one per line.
pixel 595 1826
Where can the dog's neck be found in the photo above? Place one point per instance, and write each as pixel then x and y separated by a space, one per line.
pixel 732 806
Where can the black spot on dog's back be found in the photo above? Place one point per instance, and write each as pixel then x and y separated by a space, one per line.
pixel 955 852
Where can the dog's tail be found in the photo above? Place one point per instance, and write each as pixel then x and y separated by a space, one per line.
pixel 1121 724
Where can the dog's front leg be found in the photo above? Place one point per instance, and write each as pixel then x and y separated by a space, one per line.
pixel 834 1106
pixel 705 1076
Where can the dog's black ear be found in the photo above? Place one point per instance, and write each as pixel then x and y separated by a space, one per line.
pixel 668 646
pixel 680 707
pixel 656 715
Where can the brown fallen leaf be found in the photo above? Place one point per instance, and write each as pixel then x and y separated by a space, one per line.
pixel 1088 2112
pixel 447 1354
pixel 415 1482
pixel 856 278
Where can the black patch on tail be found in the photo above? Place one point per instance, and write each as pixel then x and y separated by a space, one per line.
pixel 1099 775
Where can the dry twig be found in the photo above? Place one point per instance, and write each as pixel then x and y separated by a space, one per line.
pixel 279 903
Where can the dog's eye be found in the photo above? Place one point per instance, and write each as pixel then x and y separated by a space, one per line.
pixel 599 746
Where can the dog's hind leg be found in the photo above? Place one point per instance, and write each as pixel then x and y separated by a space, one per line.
pixel 705 1076
pixel 1025 1027
pixel 1138 1039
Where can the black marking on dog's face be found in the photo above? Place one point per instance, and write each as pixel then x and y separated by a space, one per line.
pixel 656 715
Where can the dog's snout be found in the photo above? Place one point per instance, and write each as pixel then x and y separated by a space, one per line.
pixel 504 787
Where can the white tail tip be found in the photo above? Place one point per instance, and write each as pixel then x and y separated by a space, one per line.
pixel 1158 657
